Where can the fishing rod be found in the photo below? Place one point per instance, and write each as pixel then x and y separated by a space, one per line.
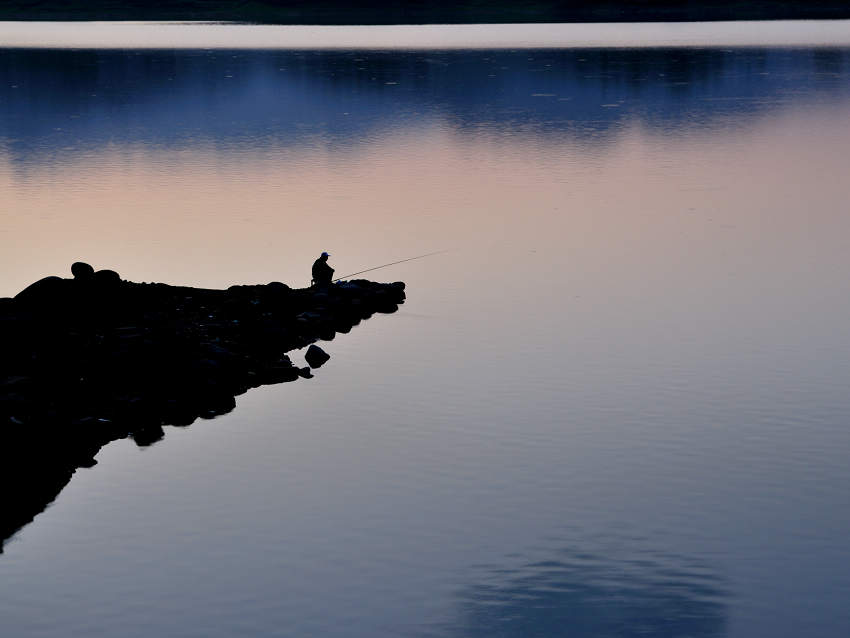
pixel 392 263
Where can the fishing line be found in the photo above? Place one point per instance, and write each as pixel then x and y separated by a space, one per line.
pixel 392 263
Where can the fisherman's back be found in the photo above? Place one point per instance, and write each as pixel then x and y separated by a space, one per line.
pixel 322 272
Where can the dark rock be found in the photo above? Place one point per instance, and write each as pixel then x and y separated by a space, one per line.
pixel 276 374
pixel 107 278
pixel 148 436
pixel 50 291
pixel 217 405
pixel 82 271
pixel 387 308
pixel 315 356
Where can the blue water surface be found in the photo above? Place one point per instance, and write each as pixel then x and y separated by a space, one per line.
pixel 617 406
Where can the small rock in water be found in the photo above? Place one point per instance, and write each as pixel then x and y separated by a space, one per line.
pixel 315 356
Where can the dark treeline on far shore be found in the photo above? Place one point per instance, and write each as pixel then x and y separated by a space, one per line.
pixel 422 11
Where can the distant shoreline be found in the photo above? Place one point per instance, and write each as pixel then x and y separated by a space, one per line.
pixel 380 12
pixel 235 35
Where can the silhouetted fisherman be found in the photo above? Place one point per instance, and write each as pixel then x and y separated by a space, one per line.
pixel 322 273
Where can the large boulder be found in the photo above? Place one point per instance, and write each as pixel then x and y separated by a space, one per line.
pixel 82 271
pixel 48 293
pixel 107 278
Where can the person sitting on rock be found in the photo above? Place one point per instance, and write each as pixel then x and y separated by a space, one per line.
pixel 322 273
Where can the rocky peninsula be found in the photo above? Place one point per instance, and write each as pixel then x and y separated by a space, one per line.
pixel 93 358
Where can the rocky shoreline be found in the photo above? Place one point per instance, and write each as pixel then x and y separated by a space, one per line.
pixel 95 358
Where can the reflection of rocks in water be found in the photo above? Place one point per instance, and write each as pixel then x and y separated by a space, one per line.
pixel 93 359
pixel 549 96
pixel 583 595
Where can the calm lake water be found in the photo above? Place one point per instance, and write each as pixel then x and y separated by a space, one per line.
pixel 617 406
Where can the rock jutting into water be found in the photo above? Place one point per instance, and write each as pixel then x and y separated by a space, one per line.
pixel 93 359
pixel 316 357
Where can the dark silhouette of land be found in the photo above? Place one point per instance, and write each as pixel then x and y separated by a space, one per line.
pixel 93 359
pixel 422 11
